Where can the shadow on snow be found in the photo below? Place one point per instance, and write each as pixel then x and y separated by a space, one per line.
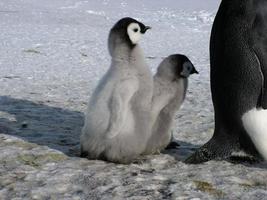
pixel 54 127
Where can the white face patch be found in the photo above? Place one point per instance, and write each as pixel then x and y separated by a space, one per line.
pixel 255 123
pixel 134 32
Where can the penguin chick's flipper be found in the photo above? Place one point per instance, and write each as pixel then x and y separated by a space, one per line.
pixel 215 149
pixel 121 97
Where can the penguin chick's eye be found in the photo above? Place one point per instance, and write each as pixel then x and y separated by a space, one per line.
pixel 133 31
pixel 186 70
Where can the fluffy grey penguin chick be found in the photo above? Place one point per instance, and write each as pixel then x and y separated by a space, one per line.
pixel 170 85
pixel 116 126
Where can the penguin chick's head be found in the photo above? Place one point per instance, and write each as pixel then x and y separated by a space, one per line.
pixel 128 31
pixel 176 66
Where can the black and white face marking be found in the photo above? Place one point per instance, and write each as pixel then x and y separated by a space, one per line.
pixel 134 32
pixel 188 68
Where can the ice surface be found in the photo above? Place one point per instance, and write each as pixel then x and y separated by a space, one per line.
pixel 53 53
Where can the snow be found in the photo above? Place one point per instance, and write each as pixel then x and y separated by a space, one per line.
pixel 52 55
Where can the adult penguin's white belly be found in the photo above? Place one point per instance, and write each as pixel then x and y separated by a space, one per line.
pixel 255 123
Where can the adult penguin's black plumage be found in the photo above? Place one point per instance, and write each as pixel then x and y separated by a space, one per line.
pixel 238 53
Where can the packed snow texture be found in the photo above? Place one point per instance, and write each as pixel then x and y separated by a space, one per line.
pixel 53 53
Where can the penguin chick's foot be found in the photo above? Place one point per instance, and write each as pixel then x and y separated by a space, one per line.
pixel 84 154
pixel 212 150
pixel 173 145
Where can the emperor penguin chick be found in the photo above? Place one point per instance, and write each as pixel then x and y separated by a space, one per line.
pixel 170 85
pixel 116 125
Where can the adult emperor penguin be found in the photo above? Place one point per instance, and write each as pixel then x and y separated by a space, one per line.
pixel 238 51
pixel 170 85
pixel 116 126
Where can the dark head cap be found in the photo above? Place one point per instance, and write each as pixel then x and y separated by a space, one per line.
pixel 184 67
pixel 129 29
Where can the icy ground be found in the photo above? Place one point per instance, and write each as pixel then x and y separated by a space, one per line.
pixel 52 54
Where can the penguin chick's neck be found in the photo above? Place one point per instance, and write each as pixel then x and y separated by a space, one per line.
pixel 122 50
pixel 169 81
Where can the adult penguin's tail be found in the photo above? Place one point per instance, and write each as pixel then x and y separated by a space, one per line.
pixel 255 123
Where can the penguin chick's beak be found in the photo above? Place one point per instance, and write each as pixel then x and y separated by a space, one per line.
pixel 145 29
pixel 194 71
